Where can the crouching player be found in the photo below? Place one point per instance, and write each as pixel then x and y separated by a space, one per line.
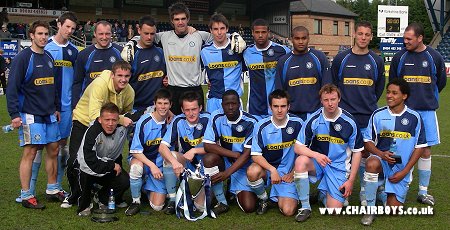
pixel 228 141
pixel 328 141
pixel 187 130
pixel 273 155
pixel 396 138
pixel 145 160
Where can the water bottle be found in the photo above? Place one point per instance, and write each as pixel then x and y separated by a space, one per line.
pixel 111 200
pixel 393 147
pixel 7 128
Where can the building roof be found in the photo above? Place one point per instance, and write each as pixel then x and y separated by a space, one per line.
pixel 326 7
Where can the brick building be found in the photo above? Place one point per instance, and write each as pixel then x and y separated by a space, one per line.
pixel 331 26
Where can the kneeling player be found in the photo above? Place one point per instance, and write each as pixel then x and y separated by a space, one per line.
pixel 228 135
pixel 145 160
pixel 187 130
pixel 273 155
pixel 327 142
pixel 396 138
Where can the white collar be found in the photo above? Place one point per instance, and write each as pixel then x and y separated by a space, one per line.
pixel 331 119
pixel 397 114
pixel 237 120
pixel 264 49
pixel 281 126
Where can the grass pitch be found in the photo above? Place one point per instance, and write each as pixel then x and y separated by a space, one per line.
pixel 14 216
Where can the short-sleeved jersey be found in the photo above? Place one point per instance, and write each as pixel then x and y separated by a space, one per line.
pixel 183 56
pixel 425 73
pixel 189 136
pixel 232 135
pixel 332 137
pixel 261 65
pixel 147 136
pixel 148 71
pixel 276 143
pixel 361 81
pixel 406 128
pixel 302 76
pixel 65 56
pixel 90 64
pixel 224 69
pixel 31 85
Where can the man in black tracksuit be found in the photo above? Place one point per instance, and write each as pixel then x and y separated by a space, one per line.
pixel 101 146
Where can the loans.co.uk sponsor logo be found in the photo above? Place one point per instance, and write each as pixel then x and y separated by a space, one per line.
pixel 358 81
pixel 303 81
pixel 418 79
pixel 182 59
pixel 222 65
pixel 264 65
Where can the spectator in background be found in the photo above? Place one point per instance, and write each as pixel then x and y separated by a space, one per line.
pixel 20 30
pixel 136 26
pixel 123 33
pixel 93 39
pixel 79 33
pixel 87 30
pixel 241 30
pixel 130 32
pixel 116 30
pixel 4 33
pixel 8 62
pixel 8 67
pixel 3 71
pixel 4 17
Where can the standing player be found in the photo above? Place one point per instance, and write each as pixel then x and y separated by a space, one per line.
pixel 359 74
pixel 273 156
pixel 328 141
pixel 145 161
pixel 110 86
pixel 222 64
pixel 64 53
pixel 228 138
pixel 94 59
pixel 187 131
pixel 182 54
pixel 148 65
pixel 261 60
pixel 424 69
pixel 302 73
pixel 33 105
pixel 394 132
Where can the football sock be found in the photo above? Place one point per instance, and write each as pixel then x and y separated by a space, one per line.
pixel 361 170
pixel 135 188
pixel 52 188
pixel 381 194
pixel 371 187
pixel 302 185
pixel 35 171
pixel 424 169
pixel 63 155
pixel 25 194
pixel 217 188
pixel 259 188
pixel 171 182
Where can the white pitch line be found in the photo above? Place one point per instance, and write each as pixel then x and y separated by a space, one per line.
pixel 446 156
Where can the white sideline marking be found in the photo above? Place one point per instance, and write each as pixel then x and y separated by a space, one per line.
pixel 446 156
